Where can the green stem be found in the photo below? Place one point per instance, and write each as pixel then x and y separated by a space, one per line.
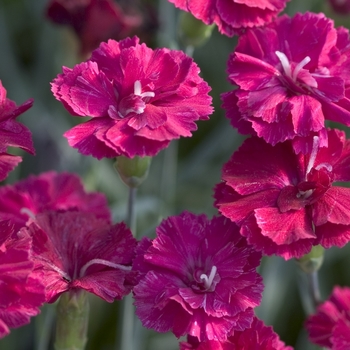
pixel 130 216
pixel 43 325
pixel 72 321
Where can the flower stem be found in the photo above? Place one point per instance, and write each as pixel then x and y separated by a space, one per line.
pixel 72 321
pixel 130 216
pixel 314 288
pixel 128 310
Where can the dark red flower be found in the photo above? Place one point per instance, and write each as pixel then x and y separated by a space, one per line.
pixel 139 99
pixel 233 16
pixel 21 293
pixel 94 21
pixel 75 250
pixel 197 277
pixel 284 202
pixel 330 326
pixel 292 75
pixel 342 7
pixel 256 337
pixel 49 191
pixel 12 133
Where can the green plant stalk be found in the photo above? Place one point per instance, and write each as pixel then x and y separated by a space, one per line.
pixel 72 321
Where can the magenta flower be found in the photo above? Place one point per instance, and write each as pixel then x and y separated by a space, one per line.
pixel 257 337
pixel 93 21
pixel 197 277
pixel 284 202
pixel 292 75
pixel 330 326
pixel 233 16
pixel 49 191
pixel 138 99
pixel 12 133
pixel 21 293
pixel 75 250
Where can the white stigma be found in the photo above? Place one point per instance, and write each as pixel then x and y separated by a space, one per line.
pixel 300 66
pixel 287 67
pixel 315 147
pixel 102 262
pixel 28 212
pixel 208 280
pixel 138 90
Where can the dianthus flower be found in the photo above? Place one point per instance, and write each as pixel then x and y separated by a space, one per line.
pixel 292 75
pixel 12 133
pixel 197 277
pixel 257 337
pixel 330 326
pixel 139 99
pixel 93 21
pixel 48 191
pixel 74 250
pixel 21 293
pixel 342 7
pixel 284 202
pixel 233 16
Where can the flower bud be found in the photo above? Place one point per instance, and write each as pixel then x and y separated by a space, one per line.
pixel 192 31
pixel 132 171
pixel 312 261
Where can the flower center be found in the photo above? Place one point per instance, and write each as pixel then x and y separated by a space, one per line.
pixel 208 280
pixel 288 68
pixel 135 102
pixel 317 179
pixel 204 282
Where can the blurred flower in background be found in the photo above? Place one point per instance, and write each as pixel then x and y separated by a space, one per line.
pixel 342 7
pixel 49 191
pixel 94 21
pixel 257 337
pixel 21 291
pixel 233 16
pixel 330 326
pixel 12 133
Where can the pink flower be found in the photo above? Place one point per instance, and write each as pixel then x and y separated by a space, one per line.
pixel 93 21
pixel 330 326
pixel 49 191
pixel 233 16
pixel 21 293
pixel 292 75
pixel 197 277
pixel 138 99
pixel 12 133
pixel 75 250
pixel 257 337
pixel 284 202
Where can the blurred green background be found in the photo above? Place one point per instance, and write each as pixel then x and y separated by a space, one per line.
pixel 32 52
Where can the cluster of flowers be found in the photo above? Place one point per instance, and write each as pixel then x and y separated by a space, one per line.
pixel 198 277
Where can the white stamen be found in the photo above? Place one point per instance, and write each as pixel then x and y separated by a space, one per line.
pixel 315 146
pixel 208 281
pixel 28 212
pixel 305 194
pixel 138 91
pixel 285 63
pixel 299 67
pixel 102 262
pixel 324 165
